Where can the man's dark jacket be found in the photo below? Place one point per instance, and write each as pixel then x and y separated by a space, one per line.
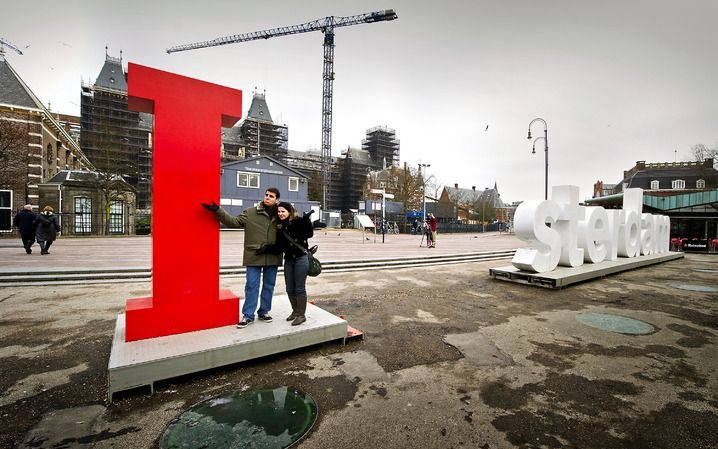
pixel 24 221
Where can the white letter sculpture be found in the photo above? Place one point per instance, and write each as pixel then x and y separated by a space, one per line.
pixel 592 234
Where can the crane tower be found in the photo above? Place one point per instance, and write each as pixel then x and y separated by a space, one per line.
pixel 326 26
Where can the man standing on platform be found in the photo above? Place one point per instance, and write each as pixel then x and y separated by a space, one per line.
pixel 260 256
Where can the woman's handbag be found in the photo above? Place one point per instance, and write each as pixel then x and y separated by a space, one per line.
pixel 315 266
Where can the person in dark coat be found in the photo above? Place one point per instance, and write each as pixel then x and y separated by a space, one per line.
pixel 47 229
pixel 24 221
pixel 296 263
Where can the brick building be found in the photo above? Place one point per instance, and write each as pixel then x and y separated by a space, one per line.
pixel 34 146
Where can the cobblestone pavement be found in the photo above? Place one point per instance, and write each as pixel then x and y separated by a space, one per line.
pixel 451 359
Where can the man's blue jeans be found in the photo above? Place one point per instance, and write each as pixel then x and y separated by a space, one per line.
pixel 251 291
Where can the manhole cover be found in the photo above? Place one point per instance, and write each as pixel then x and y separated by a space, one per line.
pixel 615 323
pixel 253 419
pixel 696 288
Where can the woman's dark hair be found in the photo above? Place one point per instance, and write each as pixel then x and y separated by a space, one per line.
pixel 288 206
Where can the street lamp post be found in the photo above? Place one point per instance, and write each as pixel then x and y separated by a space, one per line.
pixel 423 189
pixel 545 141
pixel 384 196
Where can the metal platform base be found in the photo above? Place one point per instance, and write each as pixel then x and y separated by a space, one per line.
pixel 141 363
pixel 564 276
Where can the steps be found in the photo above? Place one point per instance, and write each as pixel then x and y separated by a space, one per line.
pixel 84 276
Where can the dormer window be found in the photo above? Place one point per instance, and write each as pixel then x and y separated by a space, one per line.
pixel 654 185
pixel 678 184
pixel 701 184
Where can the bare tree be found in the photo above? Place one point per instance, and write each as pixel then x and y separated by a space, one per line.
pixel 700 153
pixel 112 171
pixel 14 155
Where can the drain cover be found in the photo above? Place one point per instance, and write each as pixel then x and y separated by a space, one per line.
pixel 696 288
pixel 615 323
pixel 257 419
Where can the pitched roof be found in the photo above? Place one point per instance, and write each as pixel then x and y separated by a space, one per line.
pixel 13 91
pixel 258 109
pixel 470 196
pixel 112 76
pixel 82 176
pixel 276 162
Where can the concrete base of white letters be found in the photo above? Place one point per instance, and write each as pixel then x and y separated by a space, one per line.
pixel 564 276
pixel 144 362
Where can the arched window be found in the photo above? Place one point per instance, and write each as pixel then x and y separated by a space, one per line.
pixel 701 184
pixel 654 185
pixel 49 153
pixel 678 184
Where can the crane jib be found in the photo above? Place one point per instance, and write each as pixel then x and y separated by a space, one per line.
pixel 322 25
pixel 326 26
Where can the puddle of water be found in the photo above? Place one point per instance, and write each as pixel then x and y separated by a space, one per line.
pixel 695 288
pixel 615 323
pixel 263 419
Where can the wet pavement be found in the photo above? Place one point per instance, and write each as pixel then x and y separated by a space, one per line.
pixel 451 358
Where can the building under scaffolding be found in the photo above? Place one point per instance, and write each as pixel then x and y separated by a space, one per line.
pixel 260 135
pixel 113 138
pixel 382 145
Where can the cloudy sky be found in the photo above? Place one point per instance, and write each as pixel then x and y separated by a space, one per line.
pixel 617 80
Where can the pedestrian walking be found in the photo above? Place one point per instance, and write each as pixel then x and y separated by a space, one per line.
pixel 46 229
pixel 24 221
pixel 260 234
pixel 293 239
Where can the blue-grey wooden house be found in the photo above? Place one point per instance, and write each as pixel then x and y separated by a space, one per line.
pixel 244 182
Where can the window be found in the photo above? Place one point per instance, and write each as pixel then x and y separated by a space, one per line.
pixel 117 217
pixel 249 180
pixel 293 184
pixel 654 185
pixel 678 184
pixel 701 184
pixel 5 210
pixel 83 215
pixel 49 153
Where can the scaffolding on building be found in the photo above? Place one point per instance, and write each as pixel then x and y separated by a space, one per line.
pixel 114 138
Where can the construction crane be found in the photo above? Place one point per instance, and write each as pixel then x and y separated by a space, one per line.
pixel 4 43
pixel 326 26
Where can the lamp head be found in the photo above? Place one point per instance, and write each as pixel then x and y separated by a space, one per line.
pixel 529 136
pixel 533 150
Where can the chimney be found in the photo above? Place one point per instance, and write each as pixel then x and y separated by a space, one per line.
pixel 473 188
pixel 456 185
pixel 640 165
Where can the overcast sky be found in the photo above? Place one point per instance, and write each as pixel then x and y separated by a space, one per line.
pixel 616 80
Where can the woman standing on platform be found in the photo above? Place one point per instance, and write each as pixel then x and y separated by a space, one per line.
pixel 292 237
